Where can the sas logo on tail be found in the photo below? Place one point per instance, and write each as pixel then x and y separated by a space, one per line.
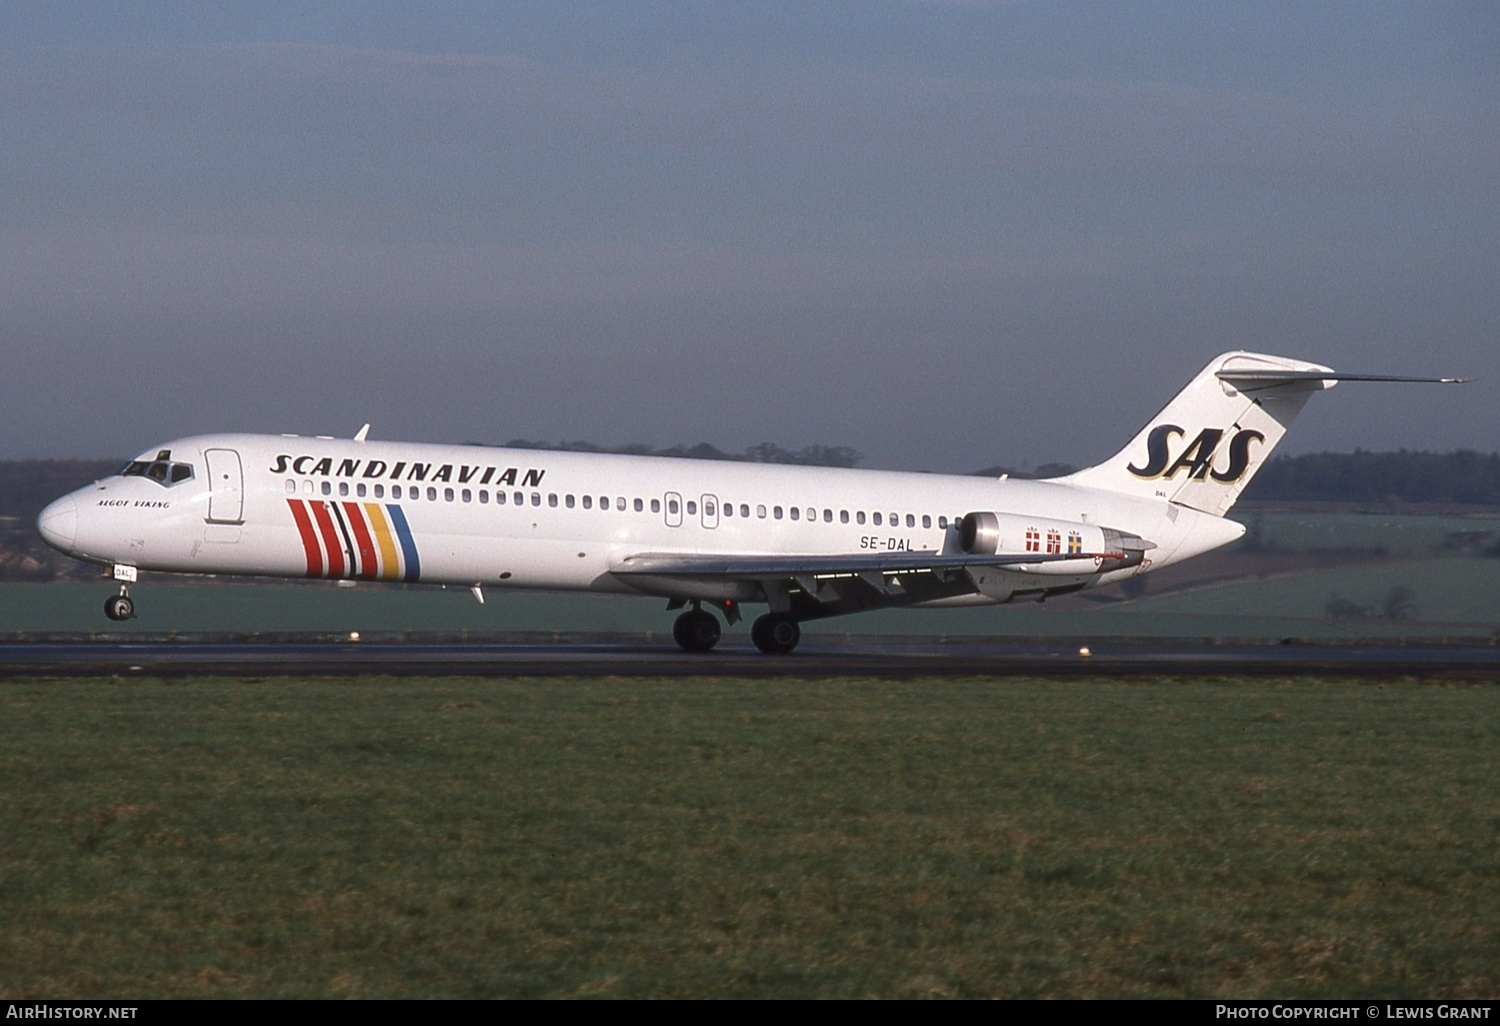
pixel 356 539
pixel 1197 459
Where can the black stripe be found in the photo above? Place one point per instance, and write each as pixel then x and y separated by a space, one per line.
pixel 349 550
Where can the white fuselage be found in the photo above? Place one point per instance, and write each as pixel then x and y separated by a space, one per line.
pixel 518 518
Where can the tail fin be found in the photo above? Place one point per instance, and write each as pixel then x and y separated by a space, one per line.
pixel 1206 445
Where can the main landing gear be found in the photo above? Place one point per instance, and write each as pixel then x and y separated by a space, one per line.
pixel 775 633
pixel 697 630
pixel 120 607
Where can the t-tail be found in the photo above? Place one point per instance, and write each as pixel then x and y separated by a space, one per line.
pixel 1211 439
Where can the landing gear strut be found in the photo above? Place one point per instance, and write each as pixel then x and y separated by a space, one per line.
pixel 120 607
pixel 696 630
pixel 775 633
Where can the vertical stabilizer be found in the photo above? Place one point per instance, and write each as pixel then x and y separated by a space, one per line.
pixel 1206 445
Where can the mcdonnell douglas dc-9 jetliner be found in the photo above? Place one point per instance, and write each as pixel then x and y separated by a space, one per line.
pixel 809 542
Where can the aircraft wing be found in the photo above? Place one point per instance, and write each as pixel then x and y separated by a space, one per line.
pixel 820 585
pixel 835 564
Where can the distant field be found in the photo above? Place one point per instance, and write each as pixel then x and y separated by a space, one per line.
pixel 1447 564
pixel 1017 838
pixel 1448 598
pixel 1397 534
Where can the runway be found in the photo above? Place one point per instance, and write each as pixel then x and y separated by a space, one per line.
pixel 858 657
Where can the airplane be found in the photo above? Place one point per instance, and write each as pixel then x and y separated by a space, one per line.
pixel 808 542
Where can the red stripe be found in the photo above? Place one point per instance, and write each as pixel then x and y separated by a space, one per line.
pixel 309 538
pixel 369 563
pixel 331 540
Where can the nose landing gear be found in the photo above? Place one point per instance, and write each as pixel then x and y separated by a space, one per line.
pixel 120 607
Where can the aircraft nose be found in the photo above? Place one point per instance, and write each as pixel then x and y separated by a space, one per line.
pixel 58 524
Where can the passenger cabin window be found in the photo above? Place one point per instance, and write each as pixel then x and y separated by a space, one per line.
pixel 796 513
pixel 926 520
pixel 568 501
pixel 291 487
pixel 692 507
pixel 588 502
pixel 327 488
pixel 777 512
pixel 344 488
pixel 672 506
pixel 656 505
pixel 432 494
pixel 380 491
pixel 875 519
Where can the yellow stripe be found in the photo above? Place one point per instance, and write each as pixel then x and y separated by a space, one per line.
pixel 390 569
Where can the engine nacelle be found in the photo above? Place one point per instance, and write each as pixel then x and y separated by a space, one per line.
pixel 1011 534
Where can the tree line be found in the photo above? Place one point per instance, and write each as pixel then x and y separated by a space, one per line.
pixel 1461 477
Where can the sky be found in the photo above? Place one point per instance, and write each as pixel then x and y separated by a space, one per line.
pixel 946 234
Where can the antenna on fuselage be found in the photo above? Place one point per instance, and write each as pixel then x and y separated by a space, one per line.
pixel 362 433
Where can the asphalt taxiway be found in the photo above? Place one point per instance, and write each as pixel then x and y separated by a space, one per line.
pixel 903 658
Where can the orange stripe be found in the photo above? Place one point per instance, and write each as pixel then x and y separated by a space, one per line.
pixel 390 568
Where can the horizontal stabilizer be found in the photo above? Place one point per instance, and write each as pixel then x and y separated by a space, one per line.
pixel 1268 378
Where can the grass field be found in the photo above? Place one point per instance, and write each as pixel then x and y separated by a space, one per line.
pixel 819 838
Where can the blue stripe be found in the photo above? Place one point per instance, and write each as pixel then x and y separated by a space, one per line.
pixel 408 545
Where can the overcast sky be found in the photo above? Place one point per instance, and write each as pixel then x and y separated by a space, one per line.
pixel 948 235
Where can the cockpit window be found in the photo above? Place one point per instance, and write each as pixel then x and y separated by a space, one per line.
pixel 163 470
